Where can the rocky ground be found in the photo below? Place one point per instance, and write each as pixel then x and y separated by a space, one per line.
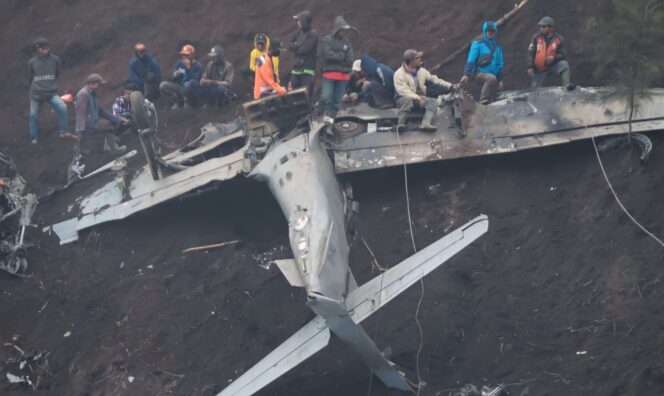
pixel 562 296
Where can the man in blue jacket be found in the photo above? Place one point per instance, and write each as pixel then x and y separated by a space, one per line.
pixel 485 63
pixel 145 72
pixel 186 79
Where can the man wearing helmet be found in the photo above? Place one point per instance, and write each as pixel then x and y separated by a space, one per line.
pixel 185 79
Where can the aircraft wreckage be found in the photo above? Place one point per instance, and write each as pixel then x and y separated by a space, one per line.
pixel 281 143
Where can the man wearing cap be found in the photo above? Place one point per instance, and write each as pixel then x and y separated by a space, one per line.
pixel 122 106
pixel 485 63
pixel 411 91
pixel 91 117
pixel 43 73
pixel 265 82
pixel 357 86
pixel 145 72
pixel 216 83
pixel 304 46
pixel 186 78
pixel 337 53
pixel 261 47
pixel 546 55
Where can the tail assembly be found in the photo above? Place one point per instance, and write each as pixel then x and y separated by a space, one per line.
pixel 343 319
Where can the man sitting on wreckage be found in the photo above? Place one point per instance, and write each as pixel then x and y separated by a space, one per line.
pixel 410 84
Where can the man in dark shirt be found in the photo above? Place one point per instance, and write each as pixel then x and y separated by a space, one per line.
pixel 217 79
pixel 92 118
pixel 43 73
pixel 304 46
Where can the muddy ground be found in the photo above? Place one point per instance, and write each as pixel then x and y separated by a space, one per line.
pixel 562 296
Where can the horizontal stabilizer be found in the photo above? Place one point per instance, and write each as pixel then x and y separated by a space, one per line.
pixel 288 267
pixel 313 337
pixel 369 297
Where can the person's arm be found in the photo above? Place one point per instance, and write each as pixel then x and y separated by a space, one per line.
pixel 473 54
pixel 252 59
pixel 435 79
pixel 531 52
pixel 117 107
pixel 293 45
pixel 31 73
pixel 156 70
pixel 499 63
pixel 328 52
pixel 133 73
pixel 561 54
pixel 229 73
pixel 81 110
pixel 103 113
pixel 57 67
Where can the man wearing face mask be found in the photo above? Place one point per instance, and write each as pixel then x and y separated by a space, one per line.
pixel 145 72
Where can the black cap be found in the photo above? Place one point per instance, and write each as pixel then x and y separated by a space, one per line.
pixel 261 38
pixel 41 42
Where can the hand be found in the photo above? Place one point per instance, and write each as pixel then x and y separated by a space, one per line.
pixel 345 98
pixel 205 82
pixel 501 86
pixel 290 86
pixel 421 101
pixel 463 80
pixel 531 72
pixel 124 121
pixel 549 60
pixel 178 72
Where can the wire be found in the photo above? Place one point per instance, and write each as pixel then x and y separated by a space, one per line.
pixel 608 182
pixel 412 239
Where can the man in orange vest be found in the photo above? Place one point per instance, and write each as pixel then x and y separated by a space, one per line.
pixel 546 55
pixel 265 81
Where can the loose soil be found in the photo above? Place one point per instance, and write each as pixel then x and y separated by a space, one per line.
pixel 562 296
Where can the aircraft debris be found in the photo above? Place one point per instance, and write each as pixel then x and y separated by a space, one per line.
pixel 209 247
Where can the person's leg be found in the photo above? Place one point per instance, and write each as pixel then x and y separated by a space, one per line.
pixel 192 93
pixel 337 95
pixel 405 105
pixel 308 82
pixel 489 87
pixel 538 79
pixel 325 101
pixel 430 110
pixel 110 136
pixel 172 92
pixel 296 81
pixel 61 109
pixel 225 94
pixel 561 68
pixel 151 89
pixel 33 123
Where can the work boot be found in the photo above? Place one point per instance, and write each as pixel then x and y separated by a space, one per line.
pixel 401 122
pixel 426 124
pixel 111 144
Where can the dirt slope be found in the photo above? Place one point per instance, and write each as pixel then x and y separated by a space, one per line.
pixel 561 271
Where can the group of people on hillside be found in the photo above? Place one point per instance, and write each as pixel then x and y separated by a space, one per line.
pixel 343 78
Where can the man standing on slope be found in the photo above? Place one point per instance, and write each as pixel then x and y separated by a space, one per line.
pixel 43 73
pixel 485 63
pixel 304 46
pixel 546 55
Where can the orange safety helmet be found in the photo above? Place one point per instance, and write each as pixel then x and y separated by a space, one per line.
pixel 138 47
pixel 188 50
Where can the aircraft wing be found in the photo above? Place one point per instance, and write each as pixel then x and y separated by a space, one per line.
pixel 313 337
pixel 518 120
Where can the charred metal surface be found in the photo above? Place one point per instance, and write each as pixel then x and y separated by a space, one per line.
pixel 517 121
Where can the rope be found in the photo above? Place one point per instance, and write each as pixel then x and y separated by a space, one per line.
pixel 608 182
pixel 412 240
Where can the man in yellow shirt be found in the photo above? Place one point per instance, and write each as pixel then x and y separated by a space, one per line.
pixel 261 47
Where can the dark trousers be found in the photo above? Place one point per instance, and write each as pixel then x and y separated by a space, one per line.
pixel 216 95
pixel 303 80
